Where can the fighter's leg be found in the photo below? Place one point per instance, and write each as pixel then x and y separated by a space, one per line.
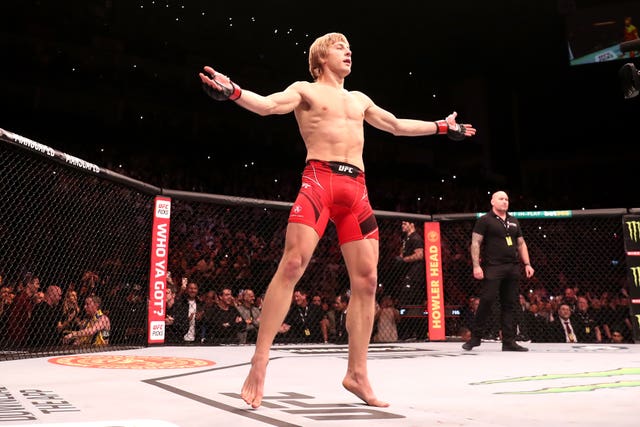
pixel 300 242
pixel 361 259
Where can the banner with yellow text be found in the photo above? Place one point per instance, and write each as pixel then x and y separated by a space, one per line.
pixel 435 286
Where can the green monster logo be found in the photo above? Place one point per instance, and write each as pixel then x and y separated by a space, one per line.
pixel 634 230
pixel 635 271
pixel 572 388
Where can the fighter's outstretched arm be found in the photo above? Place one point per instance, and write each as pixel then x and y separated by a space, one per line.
pixel 386 121
pixel 221 88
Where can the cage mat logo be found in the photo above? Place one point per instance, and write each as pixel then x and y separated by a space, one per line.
pixel 620 372
pixel 131 362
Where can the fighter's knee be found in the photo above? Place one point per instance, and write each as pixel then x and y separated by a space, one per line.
pixel 293 266
pixel 370 282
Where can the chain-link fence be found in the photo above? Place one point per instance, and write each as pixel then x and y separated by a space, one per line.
pixel 579 260
pixel 219 243
pixel 68 231
pixel 71 231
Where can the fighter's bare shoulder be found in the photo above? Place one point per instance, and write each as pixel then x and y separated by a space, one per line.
pixel 362 97
pixel 359 94
pixel 299 85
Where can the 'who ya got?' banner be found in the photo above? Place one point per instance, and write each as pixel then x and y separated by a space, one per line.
pixel 158 270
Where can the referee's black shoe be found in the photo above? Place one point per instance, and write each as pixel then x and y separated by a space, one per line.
pixel 473 342
pixel 513 346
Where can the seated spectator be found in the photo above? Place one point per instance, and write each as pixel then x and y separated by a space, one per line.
pixel 134 310
pixel 96 327
pixel 69 313
pixel 340 334
pixel 566 327
pixel 387 317
pixel 43 327
pixel 538 324
pixel 524 320
pixel 6 299
pixel 592 332
pixel 617 336
pixel 208 300
pixel 621 319
pixel 38 298
pixel 223 321
pixel 20 313
pixel 171 333
pixel 468 312
pixel 303 321
pixel 188 314
pixel 570 298
pixel 328 325
pixel 251 315
pixel 598 316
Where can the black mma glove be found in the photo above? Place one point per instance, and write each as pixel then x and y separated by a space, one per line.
pixel 225 90
pixel 454 134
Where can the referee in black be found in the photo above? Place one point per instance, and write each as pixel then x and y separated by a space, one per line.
pixel 498 236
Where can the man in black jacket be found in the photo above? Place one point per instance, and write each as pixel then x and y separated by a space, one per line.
pixel 567 327
pixel 223 320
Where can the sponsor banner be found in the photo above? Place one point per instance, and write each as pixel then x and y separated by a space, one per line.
pixel 633 264
pixel 536 214
pixel 631 232
pixel 158 270
pixel 435 286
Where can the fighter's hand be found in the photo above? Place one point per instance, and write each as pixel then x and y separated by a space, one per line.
pixel 455 131
pixel 218 86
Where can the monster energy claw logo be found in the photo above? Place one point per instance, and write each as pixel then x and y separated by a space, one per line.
pixel 634 230
pixel 635 271
pixel 629 380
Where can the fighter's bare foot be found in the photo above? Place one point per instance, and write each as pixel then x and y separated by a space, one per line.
pixel 362 389
pixel 253 387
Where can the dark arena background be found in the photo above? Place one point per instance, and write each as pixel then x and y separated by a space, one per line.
pixel 120 178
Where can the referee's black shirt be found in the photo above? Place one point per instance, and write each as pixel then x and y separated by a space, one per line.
pixel 496 237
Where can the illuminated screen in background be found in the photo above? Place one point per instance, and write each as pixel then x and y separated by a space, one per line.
pixel 594 33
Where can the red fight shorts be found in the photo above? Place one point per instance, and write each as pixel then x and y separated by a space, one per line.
pixel 336 191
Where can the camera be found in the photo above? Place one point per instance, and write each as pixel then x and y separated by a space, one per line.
pixel 629 80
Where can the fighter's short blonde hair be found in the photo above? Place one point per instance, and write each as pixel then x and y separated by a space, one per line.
pixel 318 50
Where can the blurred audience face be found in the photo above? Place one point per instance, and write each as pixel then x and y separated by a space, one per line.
pixel 210 299
pixel 192 290
pixel 617 337
pixel 564 312
pixel 249 297
pixel 583 304
pixel 38 297
pixel 54 294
